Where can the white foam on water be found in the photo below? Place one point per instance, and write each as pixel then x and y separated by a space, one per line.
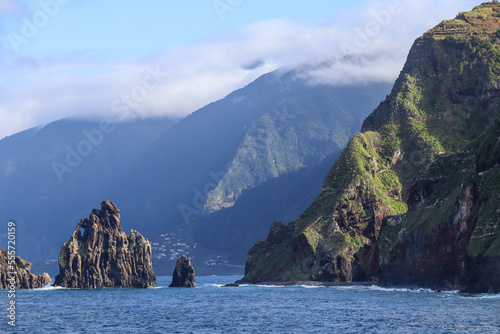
pixel 379 288
pixel 266 286
pixel 49 287
pixel 349 287
pixel 490 296
pixel 451 291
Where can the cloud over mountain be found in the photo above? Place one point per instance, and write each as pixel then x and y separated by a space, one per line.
pixel 361 45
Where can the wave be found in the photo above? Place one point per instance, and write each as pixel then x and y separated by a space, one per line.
pixel 379 288
pixel 383 289
pixel 490 296
pixel 49 287
pixel 303 286
pixel 212 285
pixel 451 291
pixel 263 286
pixel 419 290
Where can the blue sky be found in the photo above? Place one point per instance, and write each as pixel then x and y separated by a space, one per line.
pixel 95 59
pixel 125 29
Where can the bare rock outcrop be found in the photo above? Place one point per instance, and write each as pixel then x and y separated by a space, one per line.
pixel 99 254
pixel 183 276
pixel 16 273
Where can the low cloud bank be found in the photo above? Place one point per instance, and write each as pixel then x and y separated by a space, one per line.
pixel 360 46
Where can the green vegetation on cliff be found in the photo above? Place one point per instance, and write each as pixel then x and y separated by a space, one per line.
pixel 410 173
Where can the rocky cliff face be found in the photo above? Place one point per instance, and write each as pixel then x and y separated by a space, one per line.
pixel 450 237
pixel 23 278
pixel 409 200
pixel 100 255
pixel 183 276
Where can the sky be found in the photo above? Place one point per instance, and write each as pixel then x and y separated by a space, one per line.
pixel 128 59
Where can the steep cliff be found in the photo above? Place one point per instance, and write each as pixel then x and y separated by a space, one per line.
pixel 450 238
pixel 23 278
pixel 446 96
pixel 100 255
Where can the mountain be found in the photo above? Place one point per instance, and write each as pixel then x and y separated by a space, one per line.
pixel 275 125
pixel 412 198
pixel 177 178
pixel 283 198
pixel 194 176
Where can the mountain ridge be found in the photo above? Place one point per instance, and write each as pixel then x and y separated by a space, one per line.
pixel 154 169
pixel 444 98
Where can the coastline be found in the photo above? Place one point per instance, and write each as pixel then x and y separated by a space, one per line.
pixel 309 283
pixel 348 284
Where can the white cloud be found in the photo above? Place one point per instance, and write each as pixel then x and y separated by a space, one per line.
pixel 376 46
pixel 11 120
pixel 37 91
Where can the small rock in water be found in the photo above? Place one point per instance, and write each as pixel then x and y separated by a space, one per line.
pixel 231 285
pixel 183 276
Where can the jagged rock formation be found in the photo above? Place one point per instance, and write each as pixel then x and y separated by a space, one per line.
pixel 183 276
pixel 23 278
pixel 413 198
pixel 103 256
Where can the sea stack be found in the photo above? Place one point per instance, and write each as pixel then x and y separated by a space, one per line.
pixel 21 277
pixel 183 276
pixel 99 254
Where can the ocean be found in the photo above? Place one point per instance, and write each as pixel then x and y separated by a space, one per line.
pixel 211 308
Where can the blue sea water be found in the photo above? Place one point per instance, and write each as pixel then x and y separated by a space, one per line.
pixel 250 309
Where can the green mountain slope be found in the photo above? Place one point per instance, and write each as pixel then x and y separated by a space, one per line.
pixel 450 238
pixel 299 132
pixel 232 231
pixel 445 97
pixel 209 178
pixel 166 174
pixel 253 135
